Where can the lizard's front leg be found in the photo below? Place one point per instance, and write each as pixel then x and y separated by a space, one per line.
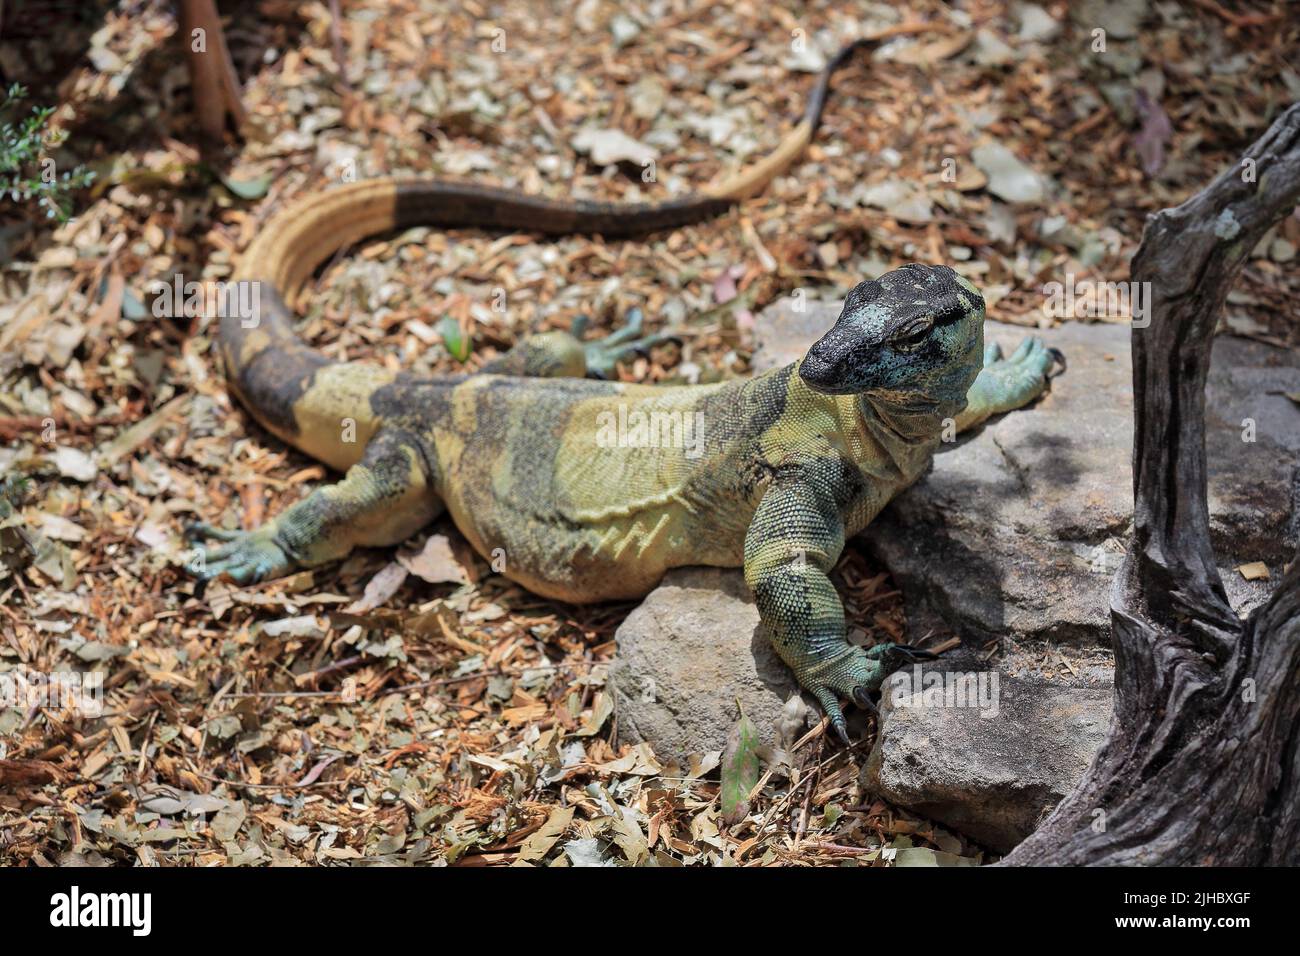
pixel 383 499
pixel 1005 384
pixel 795 538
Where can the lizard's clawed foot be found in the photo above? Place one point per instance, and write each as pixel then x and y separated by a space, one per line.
pixel 857 674
pixel 246 558
pixel 603 355
pixel 1022 376
pixel 854 674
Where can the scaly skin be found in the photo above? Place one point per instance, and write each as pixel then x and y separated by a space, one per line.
pixel 773 473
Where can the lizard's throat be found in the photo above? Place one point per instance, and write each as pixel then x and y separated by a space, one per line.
pixel 912 417
pixel 921 414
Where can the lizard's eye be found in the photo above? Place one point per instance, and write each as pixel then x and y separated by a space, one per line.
pixel 912 335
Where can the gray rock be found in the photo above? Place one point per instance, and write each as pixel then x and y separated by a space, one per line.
pixel 1009 177
pixel 989 50
pixel 902 199
pixel 992 777
pixel 684 657
pixel 1121 18
pixel 785 329
pixel 1018 527
pixel 1036 24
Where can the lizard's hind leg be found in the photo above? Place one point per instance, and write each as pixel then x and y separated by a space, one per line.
pixel 383 499
pixel 566 355
pixel 544 355
pixel 604 354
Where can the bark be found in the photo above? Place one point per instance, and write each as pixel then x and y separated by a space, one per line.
pixel 1201 762
pixel 212 72
pixel 18 774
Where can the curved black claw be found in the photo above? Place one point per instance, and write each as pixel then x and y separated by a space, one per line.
pixel 1059 357
pixel 906 652
pixel 831 708
pixel 842 732
pixel 862 697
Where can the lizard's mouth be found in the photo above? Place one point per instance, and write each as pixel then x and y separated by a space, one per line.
pixel 826 367
pixel 819 374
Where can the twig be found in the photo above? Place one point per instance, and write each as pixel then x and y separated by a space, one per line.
pixel 809 788
pixel 13 426
pixel 1243 20
pixel 312 677
pixel 841 848
pixel 269 786
pixel 336 37
pixel 418 685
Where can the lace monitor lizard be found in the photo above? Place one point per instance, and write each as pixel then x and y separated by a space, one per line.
pixel 786 466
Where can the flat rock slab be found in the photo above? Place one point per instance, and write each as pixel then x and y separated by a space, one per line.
pixel 685 655
pixel 694 647
pixel 989 764
pixel 1013 534
pixel 1019 526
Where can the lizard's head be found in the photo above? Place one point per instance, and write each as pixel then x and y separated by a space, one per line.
pixel 918 330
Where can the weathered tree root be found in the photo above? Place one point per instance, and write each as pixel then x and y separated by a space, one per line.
pixel 1201 765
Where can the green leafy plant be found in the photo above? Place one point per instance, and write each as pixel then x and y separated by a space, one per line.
pixel 740 769
pixel 454 338
pixel 26 173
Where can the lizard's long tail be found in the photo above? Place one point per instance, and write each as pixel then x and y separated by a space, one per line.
pixel 271 370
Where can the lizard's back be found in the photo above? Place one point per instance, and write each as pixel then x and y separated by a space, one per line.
pixel 591 490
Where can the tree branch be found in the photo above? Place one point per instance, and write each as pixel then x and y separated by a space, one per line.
pixel 212 73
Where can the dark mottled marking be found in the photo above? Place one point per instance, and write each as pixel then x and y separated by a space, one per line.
pixel 276 378
pixel 533 441
pixel 746 409
pixel 415 402
pixel 450 203
pixel 330 523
